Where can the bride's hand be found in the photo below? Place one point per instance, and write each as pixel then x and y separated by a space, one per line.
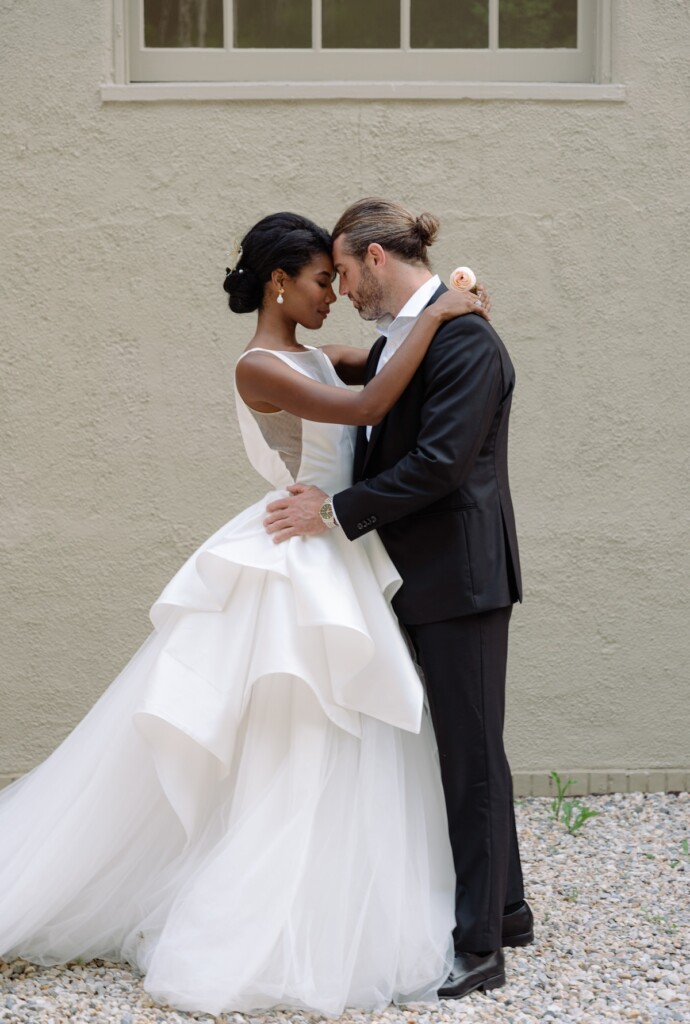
pixel 454 303
pixel 483 297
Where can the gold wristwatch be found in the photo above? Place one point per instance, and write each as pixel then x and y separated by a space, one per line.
pixel 327 514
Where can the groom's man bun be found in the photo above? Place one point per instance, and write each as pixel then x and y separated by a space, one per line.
pixel 427 226
pixel 392 225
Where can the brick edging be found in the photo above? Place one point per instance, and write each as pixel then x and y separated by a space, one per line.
pixel 588 781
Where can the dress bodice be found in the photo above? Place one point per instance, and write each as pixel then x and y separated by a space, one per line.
pixel 284 448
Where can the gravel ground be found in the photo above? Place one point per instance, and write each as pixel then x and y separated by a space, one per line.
pixel 611 905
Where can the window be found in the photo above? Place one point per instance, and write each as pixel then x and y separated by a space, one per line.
pixel 331 48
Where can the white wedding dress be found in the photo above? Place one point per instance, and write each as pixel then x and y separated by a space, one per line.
pixel 252 812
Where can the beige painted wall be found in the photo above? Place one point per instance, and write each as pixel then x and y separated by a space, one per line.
pixel 119 449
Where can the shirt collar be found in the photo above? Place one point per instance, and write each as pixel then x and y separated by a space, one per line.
pixel 412 308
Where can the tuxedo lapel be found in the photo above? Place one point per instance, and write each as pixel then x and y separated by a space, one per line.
pixel 362 443
pixel 360 452
pixel 375 431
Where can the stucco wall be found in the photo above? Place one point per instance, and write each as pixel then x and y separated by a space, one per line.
pixel 119 449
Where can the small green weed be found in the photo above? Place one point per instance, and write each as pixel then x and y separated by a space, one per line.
pixel 572 813
pixel 660 921
pixel 685 854
pixel 561 790
pixel 576 814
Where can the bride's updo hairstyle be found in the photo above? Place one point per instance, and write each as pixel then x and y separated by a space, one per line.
pixel 393 226
pixel 281 241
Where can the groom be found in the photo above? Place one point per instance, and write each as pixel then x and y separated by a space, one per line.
pixel 432 478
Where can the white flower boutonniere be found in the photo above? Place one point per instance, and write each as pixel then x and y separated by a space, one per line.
pixel 463 279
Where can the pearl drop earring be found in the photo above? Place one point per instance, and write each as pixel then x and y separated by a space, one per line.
pixel 279 300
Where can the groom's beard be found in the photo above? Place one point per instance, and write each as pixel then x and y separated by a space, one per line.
pixel 370 300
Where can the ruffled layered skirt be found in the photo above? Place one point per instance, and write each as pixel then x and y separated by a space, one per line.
pixel 252 812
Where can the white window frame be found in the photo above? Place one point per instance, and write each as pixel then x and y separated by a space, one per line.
pixel 224 73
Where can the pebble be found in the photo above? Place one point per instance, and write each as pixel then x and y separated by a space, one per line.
pixel 611 905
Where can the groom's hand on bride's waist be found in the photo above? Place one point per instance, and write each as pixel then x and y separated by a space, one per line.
pixel 296 516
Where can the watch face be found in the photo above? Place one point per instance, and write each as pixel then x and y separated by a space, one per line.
pixel 326 511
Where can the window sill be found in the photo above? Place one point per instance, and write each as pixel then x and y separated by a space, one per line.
pixel 147 92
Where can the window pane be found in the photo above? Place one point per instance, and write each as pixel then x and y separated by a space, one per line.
pixel 183 23
pixel 541 24
pixel 449 24
pixel 283 24
pixel 361 24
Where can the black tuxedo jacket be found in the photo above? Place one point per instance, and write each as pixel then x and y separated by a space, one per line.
pixel 433 479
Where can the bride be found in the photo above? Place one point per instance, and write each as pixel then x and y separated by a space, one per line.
pixel 252 813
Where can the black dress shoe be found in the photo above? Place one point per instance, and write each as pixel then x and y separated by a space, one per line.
pixel 518 927
pixel 472 971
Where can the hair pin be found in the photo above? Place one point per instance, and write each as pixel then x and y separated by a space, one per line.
pixel 233 256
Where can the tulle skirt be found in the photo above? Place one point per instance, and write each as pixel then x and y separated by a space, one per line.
pixel 248 814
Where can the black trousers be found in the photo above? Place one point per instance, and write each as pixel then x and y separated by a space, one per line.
pixel 464 666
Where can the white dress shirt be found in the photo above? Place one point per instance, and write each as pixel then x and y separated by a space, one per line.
pixel 397 328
